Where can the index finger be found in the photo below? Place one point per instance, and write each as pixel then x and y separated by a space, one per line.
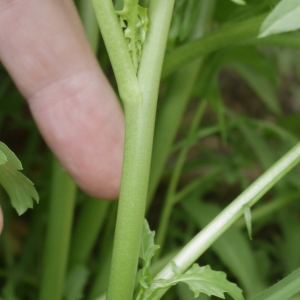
pixel 44 49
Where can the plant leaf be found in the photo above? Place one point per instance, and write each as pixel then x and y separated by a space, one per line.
pixel 282 290
pixel 202 280
pixel 248 219
pixel 261 85
pixel 147 251
pixel 284 17
pixel 19 188
pixel 3 158
pixel 135 29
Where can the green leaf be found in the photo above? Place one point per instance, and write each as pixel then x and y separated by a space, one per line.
pixel 284 17
pixel 134 28
pixel 248 219
pixel 76 282
pixel 147 251
pixel 283 290
pixel 19 188
pixel 261 85
pixel 12 159
pixel 202 280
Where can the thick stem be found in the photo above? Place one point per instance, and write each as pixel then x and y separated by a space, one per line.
pixel 118 51
pixel 60 217
pixel 130 211
pixel 140 117
pixel 173 106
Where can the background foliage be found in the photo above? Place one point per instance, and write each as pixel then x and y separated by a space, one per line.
pixel 241 114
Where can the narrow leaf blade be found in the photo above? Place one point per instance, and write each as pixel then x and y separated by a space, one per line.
pixel 284 289
pixel 3 158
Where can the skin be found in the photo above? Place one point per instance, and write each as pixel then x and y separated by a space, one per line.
pixel 44 49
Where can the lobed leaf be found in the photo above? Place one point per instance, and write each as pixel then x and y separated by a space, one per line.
pixel 147 251
pixel 19 188
pixel 284 17
pixel 202 280
pixel 134 28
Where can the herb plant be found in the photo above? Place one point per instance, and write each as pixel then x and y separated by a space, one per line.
pixel 170 60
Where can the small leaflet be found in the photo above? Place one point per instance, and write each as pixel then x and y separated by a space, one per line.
pixel 19 188
pixel 135 34
pixel 147 251
pixel 199 279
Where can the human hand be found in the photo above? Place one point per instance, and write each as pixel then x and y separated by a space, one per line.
pixel 44 48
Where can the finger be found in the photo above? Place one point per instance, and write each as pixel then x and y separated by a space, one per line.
pixel 44 48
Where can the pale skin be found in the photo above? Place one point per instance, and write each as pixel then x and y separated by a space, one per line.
pixel 44 49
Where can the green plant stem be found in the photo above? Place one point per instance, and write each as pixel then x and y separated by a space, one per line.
pixel 208 177
pixel 118 52
pixel 280 40
pixel 140 97
pixel 171 191
pixel 100 281
pixel 60 217
pixel 202 133
pixel 87 229
pixel 173 106
pixel 168 120
pixel 205 9
pixel 225 36
pixel 202 241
